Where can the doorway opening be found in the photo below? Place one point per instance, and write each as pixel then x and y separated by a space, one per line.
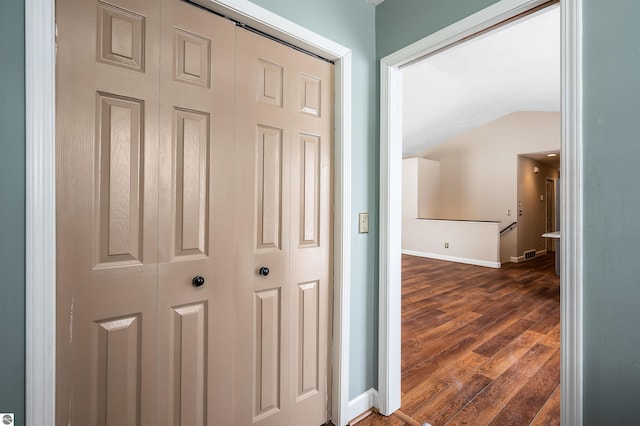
pixel 390 244
pixel 468 131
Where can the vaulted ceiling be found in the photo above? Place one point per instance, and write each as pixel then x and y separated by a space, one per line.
pixel 513 68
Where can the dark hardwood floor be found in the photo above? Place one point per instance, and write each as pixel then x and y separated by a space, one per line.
pixel 480 346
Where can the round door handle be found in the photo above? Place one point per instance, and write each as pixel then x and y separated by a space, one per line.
pixel 197 281
pixel 264 271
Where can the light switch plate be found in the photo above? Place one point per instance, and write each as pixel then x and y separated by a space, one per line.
pixel 363 223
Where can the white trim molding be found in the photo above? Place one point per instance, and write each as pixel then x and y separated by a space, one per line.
pixel 360 404
pixel 342 241
pixel 389 333
pixel 40 294
pixel 40 162
pixel 571 214
pixel 571 190
pixel 476 262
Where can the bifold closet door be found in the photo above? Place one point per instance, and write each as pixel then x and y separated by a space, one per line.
pixel 283 213
pixel 190 154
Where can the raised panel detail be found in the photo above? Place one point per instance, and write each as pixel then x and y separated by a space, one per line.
pixel 117 374
pixel 191 183
pixel 310 95
pixel 270 78
pixel 192 58
pixel 267 353
pixel 308 339
pixel 119 178
pixel 120 37
pixel 189 375
pixel 310 190
pixel 269 188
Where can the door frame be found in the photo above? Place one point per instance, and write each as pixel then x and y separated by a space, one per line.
pixel 571 188
pixel 40 236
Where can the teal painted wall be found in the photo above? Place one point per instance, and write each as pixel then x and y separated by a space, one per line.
pixel 612 206
pixel 352 24
pixel 402 22
pixel 12 171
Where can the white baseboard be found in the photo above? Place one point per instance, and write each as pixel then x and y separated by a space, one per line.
pixel 362 403
pixel 518 259
pixel 477 262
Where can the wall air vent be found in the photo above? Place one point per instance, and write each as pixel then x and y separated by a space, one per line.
pixel 529 254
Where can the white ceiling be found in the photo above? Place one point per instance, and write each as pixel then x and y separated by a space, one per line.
pixel 513 68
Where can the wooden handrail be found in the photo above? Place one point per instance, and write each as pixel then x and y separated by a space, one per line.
pixel 508 228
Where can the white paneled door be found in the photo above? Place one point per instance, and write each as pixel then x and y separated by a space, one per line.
pixel 193 220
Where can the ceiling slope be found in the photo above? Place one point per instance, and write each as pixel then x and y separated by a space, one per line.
pixel 513 68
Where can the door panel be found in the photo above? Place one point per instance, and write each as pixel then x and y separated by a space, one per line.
pixel 308 339
pixel 118 371
pixel 119 174
pixel 310 242
pixel 195 216
pixel 192 169
pixel 283 207
pixel 106 189
pixel 267 367
pixel 189 369
pixel 268 191
pixel 310 150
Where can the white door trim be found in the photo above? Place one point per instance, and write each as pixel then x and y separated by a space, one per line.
pixel 571 187
pixel 40 268
pixel 40 196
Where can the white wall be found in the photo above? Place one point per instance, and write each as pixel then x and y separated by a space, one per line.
pixel 421 189
pixel 476 243
pixel 422 235
pixel 479 169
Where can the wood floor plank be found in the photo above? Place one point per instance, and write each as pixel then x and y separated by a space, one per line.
pixel 487 404
pixel 552 338
pixel 512 352
pixel 453 401
pixel 440 382
pixel 524 406
pixel 430 338
pixel 497 342
pixel 546 324
pixel 550 413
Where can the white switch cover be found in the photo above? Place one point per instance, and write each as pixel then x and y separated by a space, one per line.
pixel 363 223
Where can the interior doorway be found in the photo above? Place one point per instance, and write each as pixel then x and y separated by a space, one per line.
pixel 474 149
pixel 391 119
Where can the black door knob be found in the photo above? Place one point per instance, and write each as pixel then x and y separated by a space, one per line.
pixel 197 281
pixel 264 271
